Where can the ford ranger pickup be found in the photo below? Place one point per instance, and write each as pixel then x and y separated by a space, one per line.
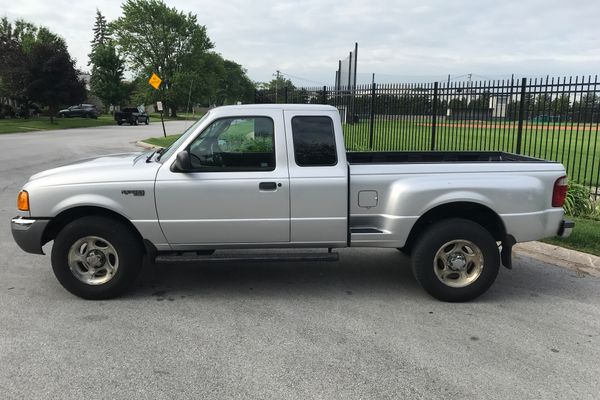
pixel 267 177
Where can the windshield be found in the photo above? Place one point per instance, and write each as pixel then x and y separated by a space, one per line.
pixel 168 152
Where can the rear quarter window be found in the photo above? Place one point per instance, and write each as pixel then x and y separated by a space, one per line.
pixel 314 141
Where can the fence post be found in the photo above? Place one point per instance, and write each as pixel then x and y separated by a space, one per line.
pixel 521 115
pixel 372 116
pixel 434 116
pixel 286 94
pixel 324 95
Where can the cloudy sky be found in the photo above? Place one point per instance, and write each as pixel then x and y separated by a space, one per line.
pixel 399 40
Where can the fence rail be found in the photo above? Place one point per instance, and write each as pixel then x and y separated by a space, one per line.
pixel 555 118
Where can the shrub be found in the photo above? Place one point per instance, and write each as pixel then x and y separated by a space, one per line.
pixel 579 202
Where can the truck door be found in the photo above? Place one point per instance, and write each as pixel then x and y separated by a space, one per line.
pixel 318 178
pixel 239 189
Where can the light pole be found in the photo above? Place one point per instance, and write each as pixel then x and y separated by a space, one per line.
pixel 277 74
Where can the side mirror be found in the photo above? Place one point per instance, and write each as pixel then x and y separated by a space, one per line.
pixel 182 162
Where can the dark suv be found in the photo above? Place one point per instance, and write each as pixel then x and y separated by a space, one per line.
pixel 80 110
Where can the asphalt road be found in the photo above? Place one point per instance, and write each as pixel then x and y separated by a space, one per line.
pixel 360 328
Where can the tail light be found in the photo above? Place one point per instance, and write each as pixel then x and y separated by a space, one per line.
pixel 559 194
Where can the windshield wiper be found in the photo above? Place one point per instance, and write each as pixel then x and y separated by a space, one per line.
pixel 159 152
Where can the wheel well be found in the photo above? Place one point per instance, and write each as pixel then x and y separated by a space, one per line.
pixel 57 223
pixel 475 212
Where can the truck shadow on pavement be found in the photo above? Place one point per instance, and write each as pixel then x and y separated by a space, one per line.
pixel 378 273
pixel 374 271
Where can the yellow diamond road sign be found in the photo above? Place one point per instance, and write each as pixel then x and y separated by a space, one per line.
pixel 155 81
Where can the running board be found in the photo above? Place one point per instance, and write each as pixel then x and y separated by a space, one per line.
pixel 251 257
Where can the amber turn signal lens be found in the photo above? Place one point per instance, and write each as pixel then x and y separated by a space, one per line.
pixel 23 201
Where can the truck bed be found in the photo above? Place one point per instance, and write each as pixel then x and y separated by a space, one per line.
pixel 436 157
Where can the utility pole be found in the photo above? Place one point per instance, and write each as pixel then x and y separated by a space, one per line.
pixel 278 73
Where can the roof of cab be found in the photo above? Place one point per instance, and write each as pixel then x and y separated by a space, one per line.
pixel 284 107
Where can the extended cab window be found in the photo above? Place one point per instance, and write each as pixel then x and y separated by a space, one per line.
pixel 235 144
pixel 314 141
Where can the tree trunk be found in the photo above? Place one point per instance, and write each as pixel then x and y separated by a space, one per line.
pixel 173 112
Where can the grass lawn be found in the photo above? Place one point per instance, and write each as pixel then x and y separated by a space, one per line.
pixel 162 141
pixel 585 237
pixel 43 123
pixel 155 116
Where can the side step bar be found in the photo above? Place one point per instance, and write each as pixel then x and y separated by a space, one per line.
pixel 250 257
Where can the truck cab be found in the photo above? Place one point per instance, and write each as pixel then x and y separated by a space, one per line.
pixel 257 177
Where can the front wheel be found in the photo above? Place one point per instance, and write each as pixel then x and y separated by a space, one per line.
pixel 456 260
pixel 96 257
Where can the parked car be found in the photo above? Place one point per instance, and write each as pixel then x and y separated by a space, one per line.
pixel 132 116
pixel 278 176
pixel 80 110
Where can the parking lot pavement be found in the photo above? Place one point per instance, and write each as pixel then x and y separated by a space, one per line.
pixel 360 328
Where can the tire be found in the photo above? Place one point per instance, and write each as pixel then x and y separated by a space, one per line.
pixel 119 123
pixel 471 265
pixel 96 244
pixel 134 122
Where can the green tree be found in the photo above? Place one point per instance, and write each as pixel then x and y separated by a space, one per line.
pixel 107 74
pixel 157 38
pixel 52 79
pixel 543 104
pixel 35 66
pixel 101 35
pixel 13 65
pixel 561 105
pixel 234 84
pixel 274 91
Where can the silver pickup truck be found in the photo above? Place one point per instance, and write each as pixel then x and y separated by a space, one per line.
pixel 278 176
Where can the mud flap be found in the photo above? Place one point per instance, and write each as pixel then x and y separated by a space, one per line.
pixel 506 253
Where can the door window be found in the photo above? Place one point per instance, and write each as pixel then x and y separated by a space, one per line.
pixel 235 144
pixel 314 141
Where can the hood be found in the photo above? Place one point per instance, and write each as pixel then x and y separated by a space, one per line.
pixel 110 168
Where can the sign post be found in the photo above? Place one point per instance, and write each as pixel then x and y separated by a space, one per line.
pixel 155 82
pixel 159 106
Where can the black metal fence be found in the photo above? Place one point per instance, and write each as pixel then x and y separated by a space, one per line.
pixel 551 118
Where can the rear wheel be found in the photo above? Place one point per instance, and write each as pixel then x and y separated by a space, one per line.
pixel 96 257
pixel 456 260
pixel 134 122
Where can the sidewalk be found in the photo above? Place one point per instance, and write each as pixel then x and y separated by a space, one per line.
pixel 566 258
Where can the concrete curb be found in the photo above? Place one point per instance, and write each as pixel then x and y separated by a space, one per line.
pixel 145 145
pixel 566 258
